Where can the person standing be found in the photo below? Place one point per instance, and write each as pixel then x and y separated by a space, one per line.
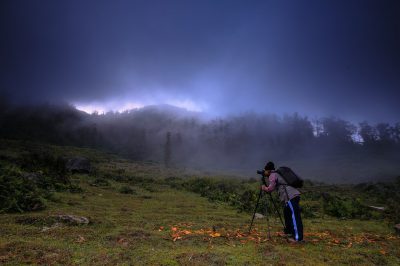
pixel 288 195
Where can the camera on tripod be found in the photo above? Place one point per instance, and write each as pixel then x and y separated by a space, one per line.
pixel 260 172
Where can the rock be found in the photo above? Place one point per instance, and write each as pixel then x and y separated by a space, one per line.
pixel 259 216
pixel 34 177
pixel 78 165
pixel 54 226
pixel 71 219
pixel 377 208
pixel 397 228
pixel 80 239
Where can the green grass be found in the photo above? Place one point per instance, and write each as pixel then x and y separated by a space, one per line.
pixel 142 228
pixel 125 230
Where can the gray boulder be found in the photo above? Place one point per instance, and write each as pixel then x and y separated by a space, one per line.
pixel 78 165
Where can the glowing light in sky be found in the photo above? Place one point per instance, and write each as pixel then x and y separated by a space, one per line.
pixel 121 106
pixel 106 107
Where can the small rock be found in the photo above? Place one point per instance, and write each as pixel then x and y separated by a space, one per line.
pixel 259 216
pixel 377 208
pixel 397 228
pixel 34 177
pixel 80 239
pixel 54 226
pixel 72 219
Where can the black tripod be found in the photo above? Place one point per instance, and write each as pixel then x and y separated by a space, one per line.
pixel 266 209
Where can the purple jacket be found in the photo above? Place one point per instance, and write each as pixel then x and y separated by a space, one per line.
pixel 285 191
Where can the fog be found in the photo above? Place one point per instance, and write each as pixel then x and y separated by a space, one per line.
pixel 326 149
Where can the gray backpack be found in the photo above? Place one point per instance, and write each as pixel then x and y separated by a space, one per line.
pixel 290 177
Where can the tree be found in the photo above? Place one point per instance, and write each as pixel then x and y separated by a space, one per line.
pixel 336 130
pixel 367 133
pixel 167 150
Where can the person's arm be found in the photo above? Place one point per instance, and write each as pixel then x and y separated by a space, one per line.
pixel 272 183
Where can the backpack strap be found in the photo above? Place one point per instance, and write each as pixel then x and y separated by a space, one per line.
pixel 279 184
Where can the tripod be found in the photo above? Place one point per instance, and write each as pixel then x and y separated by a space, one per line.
pixel 266 210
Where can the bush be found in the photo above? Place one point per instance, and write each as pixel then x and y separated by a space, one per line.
pixel 247 200
pixel 127 190
pixel 393 208
pixel 386 194
pixel 100 182
pixel 18 194
pixel 42 161
pixel 75 188
pixel 174 182
pixel 308 210
pixel 239 194
pixel 345 208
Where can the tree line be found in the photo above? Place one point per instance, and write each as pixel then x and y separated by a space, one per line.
pixel 181 138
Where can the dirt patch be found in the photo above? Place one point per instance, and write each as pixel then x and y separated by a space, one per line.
pixel 32 253
pixel 129 238
pixel 201 259
pixel 35 220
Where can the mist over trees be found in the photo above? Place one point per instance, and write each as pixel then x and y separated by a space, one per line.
pixel 322 148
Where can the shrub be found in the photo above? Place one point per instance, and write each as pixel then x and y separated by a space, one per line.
pixel 174 182
pixel 100 182
pixel 247 200
pixel 149 187
pixel 127 190
pixel 308 210
pixel 345 208
pixel 19 195
pixel 75 188
pixel 43 161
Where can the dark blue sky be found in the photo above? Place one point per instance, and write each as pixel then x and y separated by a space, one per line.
pixel 318 58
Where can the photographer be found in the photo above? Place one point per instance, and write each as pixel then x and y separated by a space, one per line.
pixel 288 195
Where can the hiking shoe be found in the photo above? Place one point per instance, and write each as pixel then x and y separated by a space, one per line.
pixel 294 241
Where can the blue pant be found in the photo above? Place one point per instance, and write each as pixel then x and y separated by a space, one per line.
pixel 293 221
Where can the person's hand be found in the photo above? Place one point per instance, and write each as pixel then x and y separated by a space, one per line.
pixel 264 187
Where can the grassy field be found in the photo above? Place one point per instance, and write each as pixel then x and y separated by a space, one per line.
pixel 153 223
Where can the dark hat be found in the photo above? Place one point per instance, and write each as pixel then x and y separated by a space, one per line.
pixel 269 166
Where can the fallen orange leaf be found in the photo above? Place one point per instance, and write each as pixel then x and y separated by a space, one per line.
pixel 186 232
pixel 215 234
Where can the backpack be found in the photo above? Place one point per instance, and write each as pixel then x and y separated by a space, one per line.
pixel 290 177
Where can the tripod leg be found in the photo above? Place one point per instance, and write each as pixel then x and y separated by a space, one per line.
pixel 277 210
pixel 254 214
pixel 266 215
